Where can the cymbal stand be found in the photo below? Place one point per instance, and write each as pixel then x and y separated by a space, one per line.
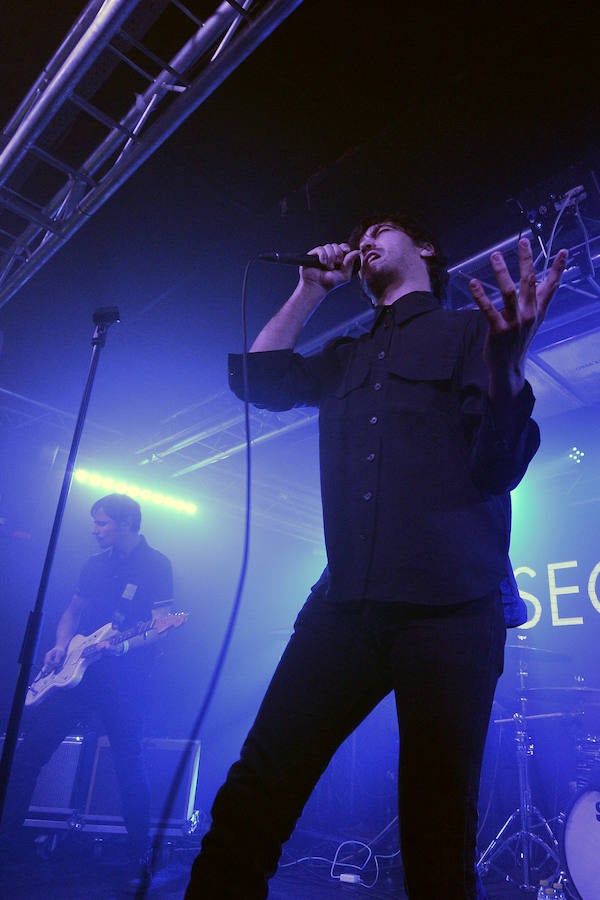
pixel 525 842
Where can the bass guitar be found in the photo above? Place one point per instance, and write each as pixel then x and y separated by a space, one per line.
pixel 83 650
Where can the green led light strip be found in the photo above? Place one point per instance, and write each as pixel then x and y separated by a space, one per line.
pixel 141 494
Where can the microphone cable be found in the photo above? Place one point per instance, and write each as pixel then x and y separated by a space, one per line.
pixel 142 891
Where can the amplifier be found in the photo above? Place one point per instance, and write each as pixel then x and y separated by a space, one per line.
pixel 63 783
pixel 162 756
pixel 64 780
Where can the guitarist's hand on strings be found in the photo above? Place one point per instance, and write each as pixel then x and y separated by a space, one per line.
pixel 54 658
pixel 110 648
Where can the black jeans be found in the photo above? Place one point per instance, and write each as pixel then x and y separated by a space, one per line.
pixel 442 664
pixel 120 708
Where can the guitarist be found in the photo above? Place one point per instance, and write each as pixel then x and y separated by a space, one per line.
pixel 126 583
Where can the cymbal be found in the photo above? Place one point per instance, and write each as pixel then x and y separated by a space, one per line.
pixel 554 655
pixel 574 690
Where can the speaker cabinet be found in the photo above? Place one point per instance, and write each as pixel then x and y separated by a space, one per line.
pixel 63 783
pixel 162 757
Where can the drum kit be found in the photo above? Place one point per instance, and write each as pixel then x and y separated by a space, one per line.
pixel 529 847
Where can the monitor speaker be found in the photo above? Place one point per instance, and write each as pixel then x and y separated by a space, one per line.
pixel 162 757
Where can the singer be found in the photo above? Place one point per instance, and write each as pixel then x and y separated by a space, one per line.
pixel 425 428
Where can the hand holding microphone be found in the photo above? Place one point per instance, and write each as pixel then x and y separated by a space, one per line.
pixel 321 270
pixel 329 265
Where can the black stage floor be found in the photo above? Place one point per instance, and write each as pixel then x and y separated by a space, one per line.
pixel 80 868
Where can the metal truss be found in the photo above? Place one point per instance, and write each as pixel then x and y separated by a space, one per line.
pixel 18 412
pixel 222 434
pixel 290 506
pixel 215 429
pixel 126 76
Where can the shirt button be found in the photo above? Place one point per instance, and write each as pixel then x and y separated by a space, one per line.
pixel 367 495
pixel 377 385
pixel 373 420
pixel 370 457
pixel 381 354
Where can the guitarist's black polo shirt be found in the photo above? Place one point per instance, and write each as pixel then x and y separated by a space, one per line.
pixel 124 589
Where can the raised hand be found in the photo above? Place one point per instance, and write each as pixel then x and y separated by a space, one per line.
pixel 512 328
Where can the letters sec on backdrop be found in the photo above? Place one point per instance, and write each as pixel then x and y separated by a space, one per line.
pixel 572 592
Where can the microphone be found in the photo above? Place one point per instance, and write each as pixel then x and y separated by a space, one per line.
pixel 310 260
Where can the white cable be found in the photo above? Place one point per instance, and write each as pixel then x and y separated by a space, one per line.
pixel 359 868
pixel 563 206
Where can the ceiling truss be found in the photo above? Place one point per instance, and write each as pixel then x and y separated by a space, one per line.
pixel 126 76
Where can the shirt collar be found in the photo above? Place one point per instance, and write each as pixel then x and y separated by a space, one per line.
pixel 116 554
pixel 407 307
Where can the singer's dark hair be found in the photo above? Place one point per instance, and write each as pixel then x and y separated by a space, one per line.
pixel 121 508
pixel 420 234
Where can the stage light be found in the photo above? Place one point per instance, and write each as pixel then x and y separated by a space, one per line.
pixel 143 494
pixel 576 455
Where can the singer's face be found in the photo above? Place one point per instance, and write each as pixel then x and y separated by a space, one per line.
pixel 387 254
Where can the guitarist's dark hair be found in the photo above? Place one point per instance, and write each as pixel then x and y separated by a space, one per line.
pixel 121 508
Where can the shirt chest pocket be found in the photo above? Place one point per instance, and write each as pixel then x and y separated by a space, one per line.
pixel 413 383
pixel 422 384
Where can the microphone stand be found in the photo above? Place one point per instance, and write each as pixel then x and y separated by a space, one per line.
pixel 103 318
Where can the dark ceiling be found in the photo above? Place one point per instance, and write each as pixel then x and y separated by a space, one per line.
pixel 453 110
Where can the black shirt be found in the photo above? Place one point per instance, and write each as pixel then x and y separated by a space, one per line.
pixel 415 475
pixel 124 589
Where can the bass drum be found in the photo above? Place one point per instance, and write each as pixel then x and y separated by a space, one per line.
pixel 581 845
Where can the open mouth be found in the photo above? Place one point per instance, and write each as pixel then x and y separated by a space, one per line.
pixel 370 256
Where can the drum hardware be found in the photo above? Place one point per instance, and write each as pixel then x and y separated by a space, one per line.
pixel 579 840
pixel 587 767
pixel 524 648
pixel 580 844
pixel 575 691
pixel 526 840
pixel 580 831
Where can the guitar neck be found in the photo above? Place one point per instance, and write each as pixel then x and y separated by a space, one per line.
pixel 140 628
